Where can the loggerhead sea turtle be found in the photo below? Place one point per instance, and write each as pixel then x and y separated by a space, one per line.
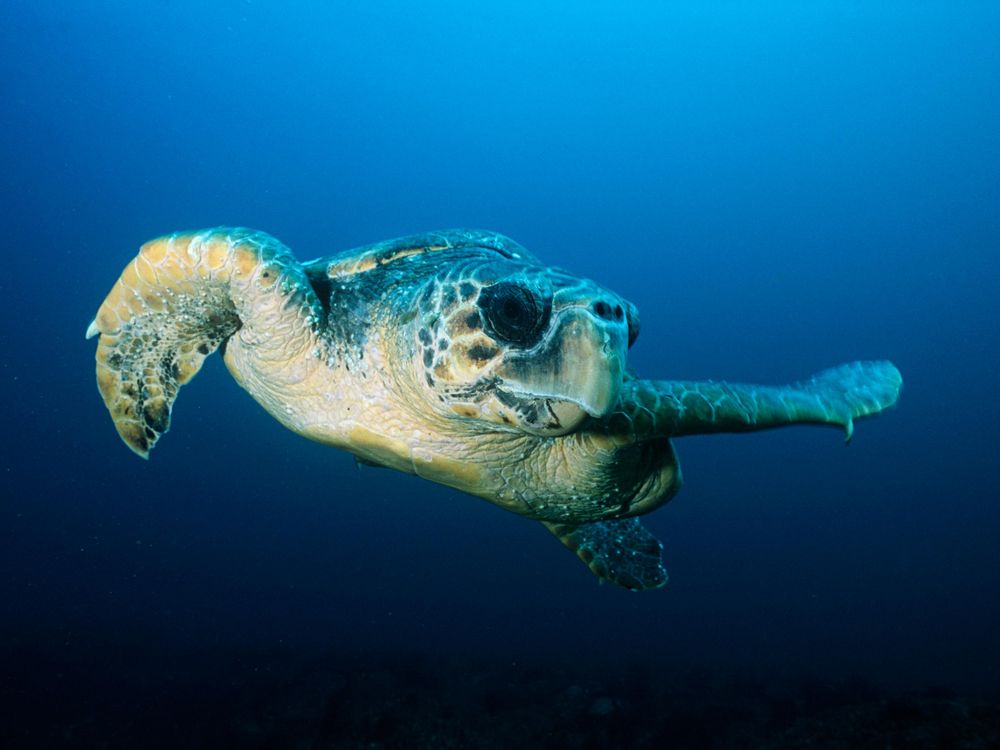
pixel 453 355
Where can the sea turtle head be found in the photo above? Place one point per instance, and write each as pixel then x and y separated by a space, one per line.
pixel 521 346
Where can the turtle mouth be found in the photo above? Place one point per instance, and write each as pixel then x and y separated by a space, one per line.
pixel 574 372
pixel 542 416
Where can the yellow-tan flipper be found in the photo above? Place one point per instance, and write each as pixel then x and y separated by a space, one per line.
pixel 180 298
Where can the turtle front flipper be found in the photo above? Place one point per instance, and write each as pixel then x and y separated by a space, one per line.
pixel 621 551
pixel 176 302
pixel 838 396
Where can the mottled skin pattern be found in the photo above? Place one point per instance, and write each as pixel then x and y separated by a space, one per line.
pixel 452 355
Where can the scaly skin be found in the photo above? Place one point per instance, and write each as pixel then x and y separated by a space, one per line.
pixel 836 397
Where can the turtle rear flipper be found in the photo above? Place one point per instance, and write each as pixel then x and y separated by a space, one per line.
pixel 621 551
pixel 175 303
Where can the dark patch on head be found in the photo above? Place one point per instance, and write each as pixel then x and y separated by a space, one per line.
pixel 474 391
pixel 442 344
pixel 448 297
pixel 482 353
pixel 473 321
pixel 466 289
pixel 203 349
pixel 430 380
pixel 424 336
pixel 428 357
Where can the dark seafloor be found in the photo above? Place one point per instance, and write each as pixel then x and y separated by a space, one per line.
pixel 779 187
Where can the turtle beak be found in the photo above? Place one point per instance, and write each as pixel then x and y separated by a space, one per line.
pixel 593 360
pixel 579 366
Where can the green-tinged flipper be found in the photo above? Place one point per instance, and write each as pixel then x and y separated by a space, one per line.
pixel 623 551
pixel 837 397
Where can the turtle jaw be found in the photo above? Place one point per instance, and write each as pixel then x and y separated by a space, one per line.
pixel 574 373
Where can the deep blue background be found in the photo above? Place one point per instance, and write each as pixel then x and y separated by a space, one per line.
pixel 778 187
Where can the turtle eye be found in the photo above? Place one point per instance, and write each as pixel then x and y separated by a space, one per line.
pixel 514 313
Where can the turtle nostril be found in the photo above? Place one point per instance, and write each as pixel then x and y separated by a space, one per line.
pixel 605 311
pixel 602 309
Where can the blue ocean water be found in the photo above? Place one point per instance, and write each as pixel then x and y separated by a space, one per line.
pixel 779 187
